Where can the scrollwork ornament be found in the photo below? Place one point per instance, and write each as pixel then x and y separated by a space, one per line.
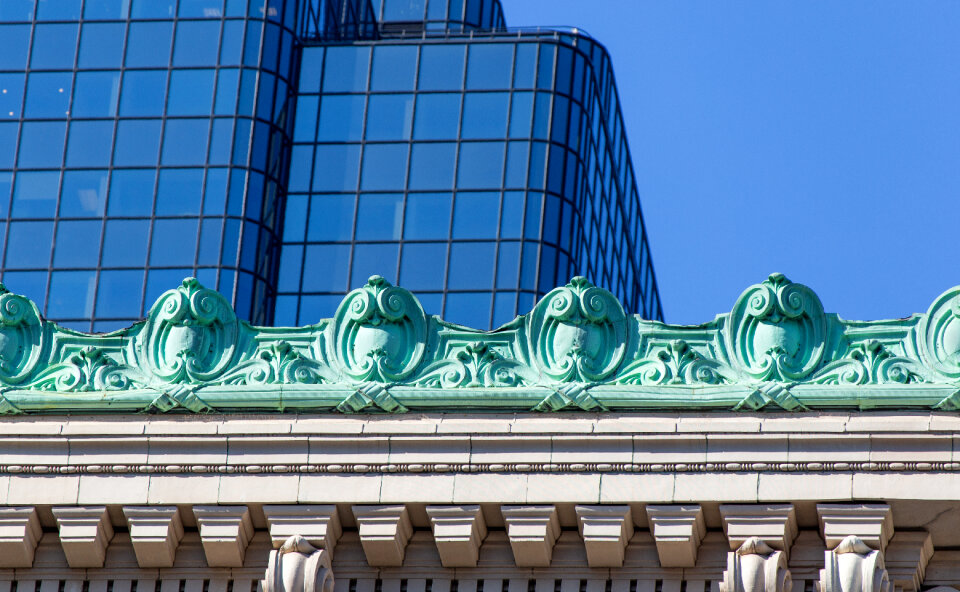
pixel 578 333
pixel 190 334
pixel 275 363
pixel 21 335
pixel 476 365
pixel 938 334
pixel 777 330
pixel 870 362
pixel 89 369
pixel 675 363
pixel 380 332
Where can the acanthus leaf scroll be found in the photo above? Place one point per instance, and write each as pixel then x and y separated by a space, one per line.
pixel 190 335
pixel 777 330
pixel 577 333
pixel 21 337
pixel 380 333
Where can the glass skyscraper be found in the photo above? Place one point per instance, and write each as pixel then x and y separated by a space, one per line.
pixel 284 150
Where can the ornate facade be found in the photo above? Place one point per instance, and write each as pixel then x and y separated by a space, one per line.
pixel 777 448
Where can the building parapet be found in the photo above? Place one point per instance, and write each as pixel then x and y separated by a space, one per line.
pixel 576 350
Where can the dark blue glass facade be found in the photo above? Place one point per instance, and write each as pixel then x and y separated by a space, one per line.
pixel 283 151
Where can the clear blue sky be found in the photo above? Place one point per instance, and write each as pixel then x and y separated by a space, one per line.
pixel 819 138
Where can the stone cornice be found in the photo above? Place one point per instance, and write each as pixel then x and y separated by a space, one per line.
pixel 577 350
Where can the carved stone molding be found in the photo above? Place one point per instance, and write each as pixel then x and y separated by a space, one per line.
pixel 155 533
pixel 458 532
pixel 298 566
pixel 19 534
pixel 318 524
pixel 852 566
pixel 225 532
pixel 756 567
pixel 606 530
pixel 384 533
pixel 532 530
pixel 677 531
pixel 85 532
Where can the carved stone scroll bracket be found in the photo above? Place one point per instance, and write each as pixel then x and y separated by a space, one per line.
pixel 19 534
pixel 854 567
pixel 606 530
pixel 225 532
pixel 756 567
pixel 155 532
pixel 318 525
pixel 384 533
pixel 85 532
pixel 532 530
pixel 298 566
pixel 458 532
pixel 678 531
pixel 906 559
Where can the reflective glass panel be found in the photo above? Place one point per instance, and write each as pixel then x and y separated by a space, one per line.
pixel 422 266
pixel 179 192
pixel 11 96
pixel 475 215
pixel 394 67
pixel 174 242
pixel 389 117
pixel 125 243
pixel 48 94
pixel 441 67
pixel 384 166
pixel 148 44
pixel 28 245
pixel 84 194
pixel 345 69
pixel 481 165
pixel 336 168
pixel 95 94
pixel 89 143
pixel 14 45
pixel 432 166
pixel 427 216
pixel 197 43
pixel 438 116
pixel 191 92
pixel 54 46
pixel 490 66
pixel 143 92
pixel 101 45
pixel 41 144
pixel 118 295
pixel 138 142
pixel 131 192
pixel 341 118
pixel 331 218
pixel 369 260
pixel 327 268
pixel 71 294
pixel 379 216
pixel 485 115
pixel 78 243
pixel 35 194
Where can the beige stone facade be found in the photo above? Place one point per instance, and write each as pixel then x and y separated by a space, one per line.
pixel 835 502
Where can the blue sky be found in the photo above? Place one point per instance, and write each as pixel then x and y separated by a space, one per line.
pixel 820 139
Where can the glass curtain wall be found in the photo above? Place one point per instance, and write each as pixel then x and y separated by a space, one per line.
pixel 479 173
pixel 142 142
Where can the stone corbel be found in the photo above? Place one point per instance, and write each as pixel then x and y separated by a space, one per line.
pixel 298 566
pixel 533 531
pixel 606 530
pixel 856 536
pixel 677 531
pixel 457 532
pixel 19 534
pixel 760 537
pixel 384 533
pixel 854 567
pixel 319 525
pixel 225 532
pixel 85 532
pixel 906 559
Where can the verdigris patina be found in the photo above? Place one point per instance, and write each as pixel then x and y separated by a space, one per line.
pixel 777 349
